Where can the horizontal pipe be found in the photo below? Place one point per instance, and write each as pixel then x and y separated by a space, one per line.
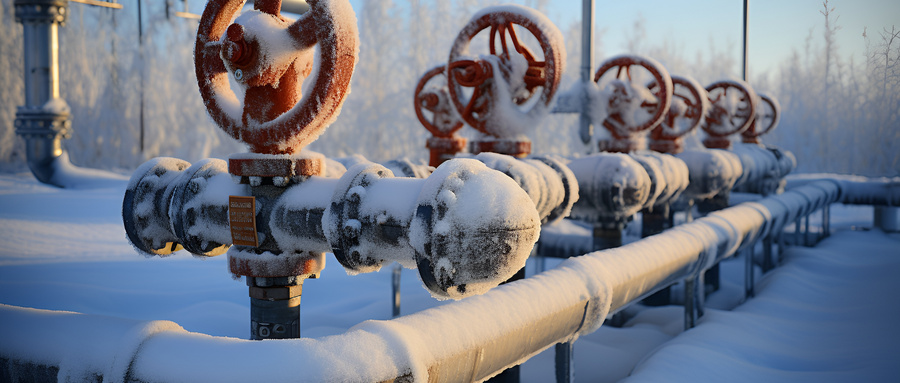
pixel 466 340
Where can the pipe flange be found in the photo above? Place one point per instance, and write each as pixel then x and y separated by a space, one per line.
pixel 42 124
pixel 41 11
pixel 343 225
pixel 192 213
pixel 570 189
pixel 146 205
pixel 458 221
pixel 403 167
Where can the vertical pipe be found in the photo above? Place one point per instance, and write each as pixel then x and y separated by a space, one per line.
pixel 744 56
pixel 565 362
pixel 395 286
pixel 749 282
pixel 806 230
pixel 586 131
pixel 141 53
pixel 690 294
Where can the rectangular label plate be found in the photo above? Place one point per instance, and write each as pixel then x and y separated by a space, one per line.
pixel 242 218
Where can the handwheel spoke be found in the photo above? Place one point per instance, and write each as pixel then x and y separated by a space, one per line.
pixel 523 50
pixel 303 31
pixel 212 62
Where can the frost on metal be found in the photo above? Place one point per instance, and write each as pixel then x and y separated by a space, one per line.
pixel 468 340
pixel 612 187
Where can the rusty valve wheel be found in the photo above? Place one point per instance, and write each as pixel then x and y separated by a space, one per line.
pixel 436 113
pixel 269 57
pixel 733 105
pixel 525 74
pixel 621 121
pixel 432 96
pixel 766 119
pixel 689 105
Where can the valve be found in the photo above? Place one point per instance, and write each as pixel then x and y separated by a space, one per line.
pixel 502 92
pixel 432 99
pixel 690 104
pixel 466 228
pixel 733 109
pixel 366 218
pixel 766 119
pixel 612 187
pixel 630 107
pixel 269 57
pixel 548 181
pixel 668 179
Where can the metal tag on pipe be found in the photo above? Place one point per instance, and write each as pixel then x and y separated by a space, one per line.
pixel 242 219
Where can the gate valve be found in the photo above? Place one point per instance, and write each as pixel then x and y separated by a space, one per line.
pixel 765 121
pixel 712 172
pixel 432 98
pixel 629 108
pixel 547 180
pixel 612 187
pixel 506 90
pixel 466 228
pixel 733 107
pixel 770 164
pixel 668 179
pixel 269 57
pixel 690 104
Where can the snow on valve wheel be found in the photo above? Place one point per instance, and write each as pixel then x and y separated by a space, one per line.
pixel 766 118
pixel 733 105
pixel 434 98
pixel 276 117
pixel 437 114
pixel 524 75
pixel 623 126
pixel 689 106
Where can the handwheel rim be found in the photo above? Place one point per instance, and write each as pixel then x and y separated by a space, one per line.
pixel 318 108
pixel 553 63
pixel 660 75
pixel 774 107
pixel 748 96
pixel 418 106
pixel 696 109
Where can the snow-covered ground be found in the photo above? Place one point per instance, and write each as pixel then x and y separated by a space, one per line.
pixel 827 313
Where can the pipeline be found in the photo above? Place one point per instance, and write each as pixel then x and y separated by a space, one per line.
pixel 461 341
pixel 45 120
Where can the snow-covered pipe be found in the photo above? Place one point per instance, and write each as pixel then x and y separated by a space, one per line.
pixel 45 120
pixel 711 172
pixel 612 188
pixel 547 180
pixel 466 227
pixel 469 340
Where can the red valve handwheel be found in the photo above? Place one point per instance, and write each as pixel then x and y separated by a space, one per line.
pixel 478 109
pixel 614 122
pixel 666 136
pixel 766 118
pixel 434 98
pixel 431 96
pixel 725 118
pixel 276 117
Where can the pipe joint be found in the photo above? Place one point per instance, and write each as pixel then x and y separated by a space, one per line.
pixel 41 11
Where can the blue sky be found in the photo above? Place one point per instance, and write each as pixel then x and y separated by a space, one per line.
pixel 776 27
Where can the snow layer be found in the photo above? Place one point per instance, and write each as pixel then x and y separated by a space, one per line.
pixel 612 187
pixel 744 350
